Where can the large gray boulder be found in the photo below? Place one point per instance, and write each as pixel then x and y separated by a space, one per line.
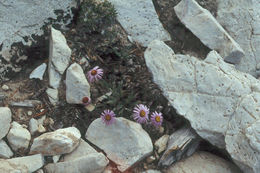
pixel 125 142
pixel 24 22
pixel 221 103
pixel 242 21
pixel 140 20
pixel 202 24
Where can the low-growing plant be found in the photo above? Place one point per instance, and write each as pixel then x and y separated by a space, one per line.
pixel 94 16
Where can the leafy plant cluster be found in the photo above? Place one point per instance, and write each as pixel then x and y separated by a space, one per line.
pixel 93 15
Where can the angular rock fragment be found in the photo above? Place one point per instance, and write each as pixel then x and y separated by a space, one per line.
pixel 140 20
pixel 38 72
pixel 221 103
pixel 5 151
pixel 242 21
pixel 18 137
pixel 33 125
pixel 181 144
pixel 77 86
pixel 5 121
pixel 27 164
pixel 203 162
pixel 55 143
pixel 59 57
pixel 208 30
pixel 125 142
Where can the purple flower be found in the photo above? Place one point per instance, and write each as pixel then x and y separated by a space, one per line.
pixel 141 113
pixel 86 100
pixel 108 117
pixel 156 119
pixel 95 74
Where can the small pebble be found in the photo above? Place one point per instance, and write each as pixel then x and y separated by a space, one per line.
pixel 41 129
pixel 150 159
pixel 29 113
pixel 5 87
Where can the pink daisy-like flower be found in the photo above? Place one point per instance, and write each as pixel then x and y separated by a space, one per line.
pixel 141 113
pixel 95 74
pixel 108 117
pixel 156 119
pixel 86 101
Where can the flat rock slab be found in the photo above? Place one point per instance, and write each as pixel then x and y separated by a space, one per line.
pixel 242 21
pixel 208 30
pixel 59 57
pixel 203 162
pixel 18 137
pixel 38 72
pixel 27 164
pixel 140 20
pixel 58 142
pixel 125 142
pixel 221 103
pixel 77 86
pixel 5 121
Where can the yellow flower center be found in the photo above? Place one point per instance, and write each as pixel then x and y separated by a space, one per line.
pixel 158 119
pixel 85 99
pixel 142 113
pixel 93 72
pixel 108 117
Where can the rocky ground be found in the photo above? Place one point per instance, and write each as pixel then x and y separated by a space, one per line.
pixel 209 107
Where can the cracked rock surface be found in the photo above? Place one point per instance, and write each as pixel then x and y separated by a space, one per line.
pixel 221 103
pixel 242 21
pixel 140 20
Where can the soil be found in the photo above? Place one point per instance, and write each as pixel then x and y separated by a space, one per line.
pixel 125 74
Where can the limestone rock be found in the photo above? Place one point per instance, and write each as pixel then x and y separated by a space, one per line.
pixel 208 30
pixel 203 162
pixel 92 163
pixel 5 121
pixel 58 142
pixel 27 164
pixel 59 57
pixel 18 25
pixel 38 72
pixel 242 21
pixel 77 86
pixel 140 20
pixel 125 142
pixel 53 95
pixel 221 103
pixel 5 151
pixel 18 137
